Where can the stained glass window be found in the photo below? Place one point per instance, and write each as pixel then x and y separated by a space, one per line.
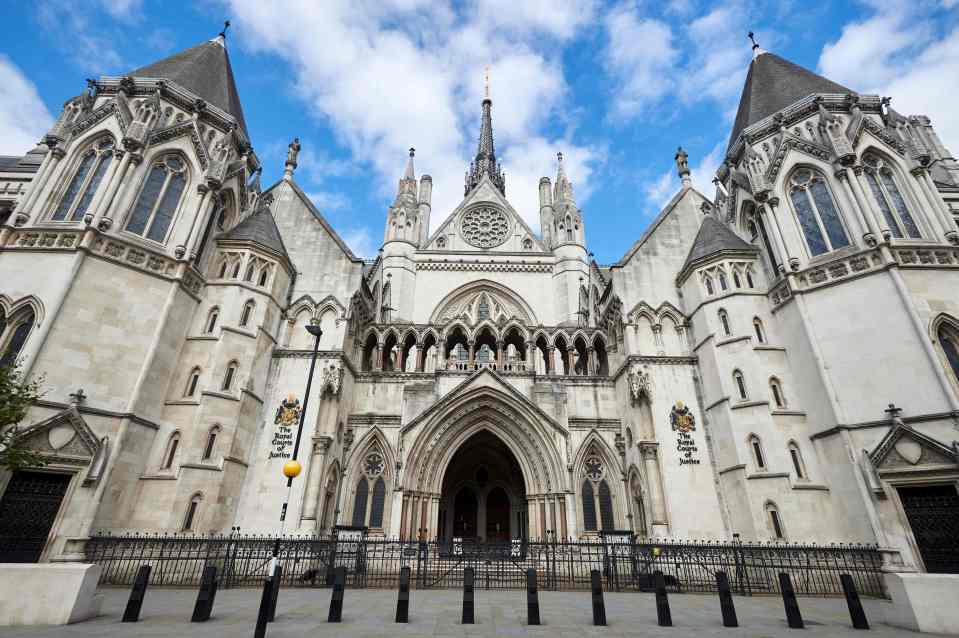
pixel 886 192
pixel 817 213
pixel 606 506
pixel 23 325
pixel 157 203
pixel 79 178
pixel 949 340
pixel 379 498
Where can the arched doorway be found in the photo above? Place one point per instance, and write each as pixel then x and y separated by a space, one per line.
pixel 484 494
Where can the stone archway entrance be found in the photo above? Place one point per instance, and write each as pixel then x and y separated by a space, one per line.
pixel 484 495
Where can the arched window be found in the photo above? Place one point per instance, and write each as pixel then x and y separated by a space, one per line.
pixel 17 332
pixel 749 278
pixel 817 212
pixel 949 342
pixel 223 266
pixel 589 507
pixel 192 383
pixel 886 192
pixel 250 271
pixel 777 391
pixel 247 313
pixel 210 442
pixel 264 275
pixel 736 280
pixel 758 327
pixel 756 449
pixel 236 269
pixel 93 166
pixel 740 385
pixel 775 521
pixel 724 322
pixel 171 448
pixel 190 519
pixel 158 201
pixel 709 285
pixel 386 303
pixel 370 499
pixel 211 320
pixel 596 495
pixel 230 376
pixel 796 456
pixel 722 280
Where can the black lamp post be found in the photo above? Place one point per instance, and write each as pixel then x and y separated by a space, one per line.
pixel 292 468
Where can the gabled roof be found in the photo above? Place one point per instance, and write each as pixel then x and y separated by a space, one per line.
pixel 772 84
pixel 316 213
pixel 663 214
pixel 713 238
pixel 205 70
pixel 259 228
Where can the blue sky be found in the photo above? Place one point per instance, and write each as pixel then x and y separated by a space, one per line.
pixel 615 86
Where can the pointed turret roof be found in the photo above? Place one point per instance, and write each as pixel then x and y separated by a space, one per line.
pixel 259 228
pixel 772 84
pixel 205 70
pixel 713 238
pixel 485 161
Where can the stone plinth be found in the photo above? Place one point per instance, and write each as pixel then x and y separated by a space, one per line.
pixel 48 594
pixel 923 602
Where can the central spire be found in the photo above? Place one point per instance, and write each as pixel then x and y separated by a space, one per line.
pixel 485 161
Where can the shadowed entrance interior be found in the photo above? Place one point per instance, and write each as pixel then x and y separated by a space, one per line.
pixel 484 495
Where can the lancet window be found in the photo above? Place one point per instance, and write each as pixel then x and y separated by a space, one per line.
pixel 596 496
pixel 159 198
pixel 369 500
pixel 886 191
pixel 93 166
pixel 816 210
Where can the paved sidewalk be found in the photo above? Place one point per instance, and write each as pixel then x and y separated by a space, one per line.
pixel 303 612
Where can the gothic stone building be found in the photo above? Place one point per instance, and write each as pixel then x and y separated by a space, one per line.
pixel 732 373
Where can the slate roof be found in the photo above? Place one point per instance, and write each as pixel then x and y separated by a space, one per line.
pixel 714 237
pixel 29 163
pixel 205 70
pixel 772 84
pixel 259 228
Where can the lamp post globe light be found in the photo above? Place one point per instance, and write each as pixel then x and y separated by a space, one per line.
pixel 292 468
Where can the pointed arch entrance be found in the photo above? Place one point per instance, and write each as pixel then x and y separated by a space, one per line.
pixel 483 495
pixel 509 430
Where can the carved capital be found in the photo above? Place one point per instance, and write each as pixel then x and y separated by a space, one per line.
pixel 202 188
pixel 20 219
pixel 179 251
pixel 953 237
pixel 649 450
pixel 58 153
pixel 870 240
pixel 322 444
pixel 105 224
pixel 794 264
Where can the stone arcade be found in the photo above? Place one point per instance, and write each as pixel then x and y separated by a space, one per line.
pixel 729 375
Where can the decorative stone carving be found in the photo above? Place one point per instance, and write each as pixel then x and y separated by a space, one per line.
pixel 332 377
pixel 485 227
pixel 640 384
pixel 681 418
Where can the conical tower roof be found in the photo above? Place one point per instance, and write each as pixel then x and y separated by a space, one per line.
pixel 772 84
pixel 714 238
pixel 205 70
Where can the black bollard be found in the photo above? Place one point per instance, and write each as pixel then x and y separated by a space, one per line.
pixel 468 596
pixel 726 600
pixel 793 617
pixel 599 607
pixel 275 591
pixel 403 601
pixel 263 614
pixel 532 598
pixel 856 612
pixel 137 594
pixel 336 600
pixel 663 616
pixel 205 597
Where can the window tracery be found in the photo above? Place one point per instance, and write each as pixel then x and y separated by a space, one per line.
pixel 158 200
pixel 485 227
pixel 86 180
pixel 816 210
pixel 886 192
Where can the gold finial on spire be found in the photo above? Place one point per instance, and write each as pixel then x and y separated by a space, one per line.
pixel 486 82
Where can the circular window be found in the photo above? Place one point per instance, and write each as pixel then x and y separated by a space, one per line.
pixel 485 227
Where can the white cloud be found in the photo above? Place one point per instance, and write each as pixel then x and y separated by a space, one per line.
pixel 88 45
pixel 327 201
pixel 24 117
pixel 899 52
pixel 360 242
pixel 660 190
pixel 639 56
pixel 127 10
pixel 410 73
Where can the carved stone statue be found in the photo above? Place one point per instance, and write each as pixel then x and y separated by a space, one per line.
pixel 682 161
pixel 293 152
pixel 639 384
pixel 332 375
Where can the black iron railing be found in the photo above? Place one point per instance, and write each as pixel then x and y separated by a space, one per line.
pixel 242 561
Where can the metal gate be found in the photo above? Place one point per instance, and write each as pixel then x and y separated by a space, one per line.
pixel 27 511
pixel 933 513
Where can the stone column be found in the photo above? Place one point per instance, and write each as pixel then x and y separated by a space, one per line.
pixel 769 212
pixel 378 358
pixel 472 355
pixel 571 359
pixel 863 213
pixel 314 477
pixel 529 357
pixel 870 203
pixel 649 450
pixel 188 250
pixel 532 515
pixel 404 515
pixel 938 205
pixel 591 361
pixel 420 358
pixel 95 204
pixel 111 204
pixel 563 528
pixel 550 357
pixel 500 355
pixel 414 519
pixel 39 181
pixel 33 197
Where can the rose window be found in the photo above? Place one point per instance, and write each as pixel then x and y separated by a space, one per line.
pixel 373 464
pixel 485 227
